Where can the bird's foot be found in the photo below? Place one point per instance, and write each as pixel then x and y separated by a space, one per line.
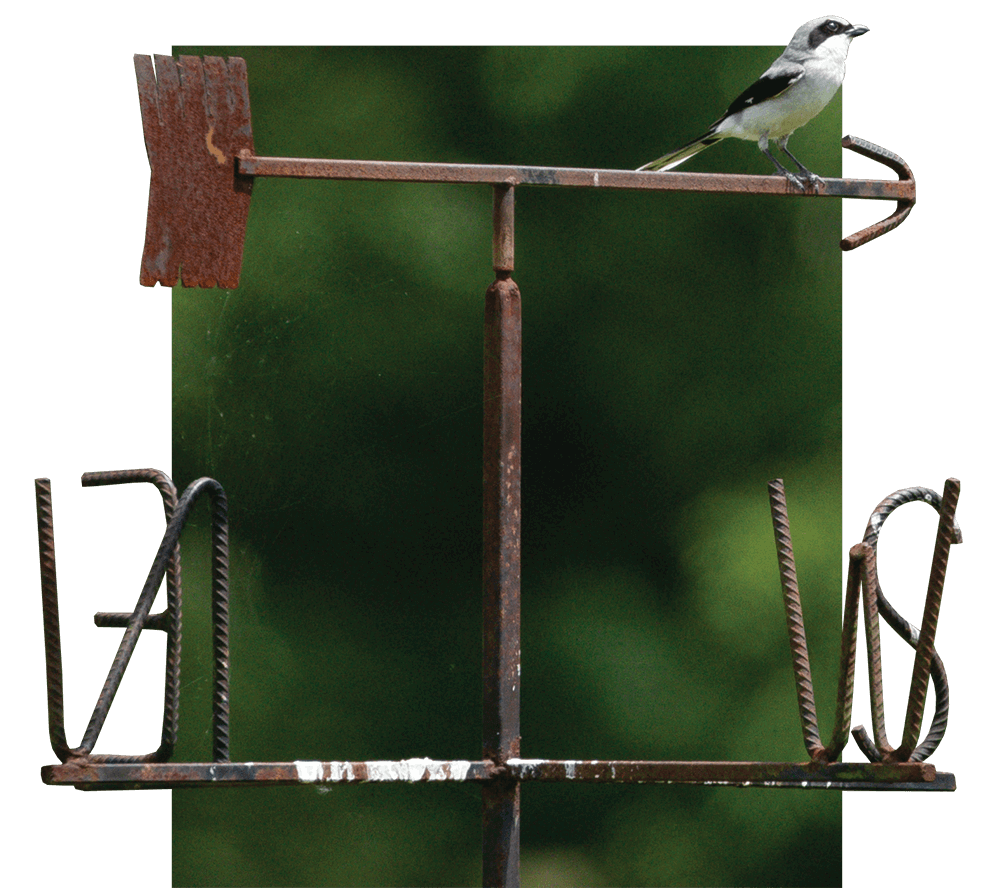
pixel 805 181
pixel 814 180
pixel 795 180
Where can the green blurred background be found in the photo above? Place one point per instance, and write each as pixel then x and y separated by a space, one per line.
pixel 679 352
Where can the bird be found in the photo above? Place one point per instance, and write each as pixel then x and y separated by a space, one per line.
pixel 797 86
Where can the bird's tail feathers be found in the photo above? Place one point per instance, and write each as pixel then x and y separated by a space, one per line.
pixel 669 161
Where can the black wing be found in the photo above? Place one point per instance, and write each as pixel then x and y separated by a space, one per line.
pixel 769 86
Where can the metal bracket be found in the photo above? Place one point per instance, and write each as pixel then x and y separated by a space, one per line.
pixel 908 196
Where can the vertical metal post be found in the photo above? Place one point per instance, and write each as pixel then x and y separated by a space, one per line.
pixel 502 551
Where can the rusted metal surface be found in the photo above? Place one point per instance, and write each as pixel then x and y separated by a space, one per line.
pixel 903 205
pixel 859 556
pixel 50 618
pixel 502 768
pixel 199 140
pixel 927 662
pixel 918 776
pixel 873 645
pixel 502 771
pixel 502 550
pixel 503 229
pixel 90 775
pixel 169 621
pixel 902 191
pixel 165 563
pixel 794 620
pixel 807 775
pixel 195 120
pixel 928 627
pixel 863 571
pixel 568 177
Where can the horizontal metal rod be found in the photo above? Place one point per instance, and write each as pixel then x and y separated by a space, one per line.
pixel 395 171
pixel 846 775
pixel 808 775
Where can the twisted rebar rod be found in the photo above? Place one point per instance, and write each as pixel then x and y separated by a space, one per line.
pixel 138 620
pixel 168 621
pixel 793 615
pixel 927 662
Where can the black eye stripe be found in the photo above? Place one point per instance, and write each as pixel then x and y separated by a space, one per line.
pixel 829 28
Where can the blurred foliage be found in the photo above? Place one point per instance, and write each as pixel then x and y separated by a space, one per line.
pixel 679 351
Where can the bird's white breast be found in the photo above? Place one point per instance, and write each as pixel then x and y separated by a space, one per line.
pixel 796 106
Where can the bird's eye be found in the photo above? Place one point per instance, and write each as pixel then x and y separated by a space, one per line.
pixel 832 26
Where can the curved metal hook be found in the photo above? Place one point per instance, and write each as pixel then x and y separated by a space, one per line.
pixel 903 206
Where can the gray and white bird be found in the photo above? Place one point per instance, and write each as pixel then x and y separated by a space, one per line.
pixel 788 95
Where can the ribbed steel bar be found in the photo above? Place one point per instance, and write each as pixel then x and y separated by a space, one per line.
pixel 903 206
pixel 137 620
pixel 928 627
pixel 50 611
pixel 220 622
pixel 50 618
pixel 873 641
pixel 848 654
pixel 793 617
pixel 169 620
pixel 909 633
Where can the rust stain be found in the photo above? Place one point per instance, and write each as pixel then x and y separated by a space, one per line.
pixel 217 153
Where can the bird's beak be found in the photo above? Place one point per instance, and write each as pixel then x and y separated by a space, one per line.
pixel 857 31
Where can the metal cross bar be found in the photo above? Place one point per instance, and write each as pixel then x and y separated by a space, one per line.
pixel 199 141
pixel 574 177
pixel 903 191
pixel 769 775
